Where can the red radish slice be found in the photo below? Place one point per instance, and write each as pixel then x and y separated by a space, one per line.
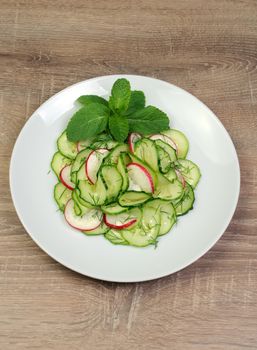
pixel 89 221
pixel 132 139
pixel 65 177
pixel 119 221
pixel 141 176
pixel 93 163
pixel 181 178
pixel 166 139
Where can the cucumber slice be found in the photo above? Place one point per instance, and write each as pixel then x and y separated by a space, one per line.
pixel 123 220
pixel 59 161
pixel 167 212
pixel 164 159
pixel 167 190
pixel 132 198
pixel 67 148
pixel 147 231
pixel 115 237
pixel 113 181
pixel 187 201
pixel 113 156
pixel 113 208
pixel 171 151
pixel 100 230
pixel 189 170
pixel 125 157
pixel 61 195
pixel 80 174
pixel 110 144
pixel 78 207
pixel 146 151
pixel 171 175
pixel 124 173
pixel 94 194
pixel 81 200
pixel 180 140
pixel 80 159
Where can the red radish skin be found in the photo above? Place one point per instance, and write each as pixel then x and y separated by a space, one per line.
pixel 119 227
pixel 181 178
pixel 77 228
pixel 133 137
pixel 149 177
pixel 64 179
pixel 87 164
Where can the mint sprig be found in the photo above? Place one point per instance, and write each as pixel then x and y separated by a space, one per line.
pixel 87 122
pixel 124 112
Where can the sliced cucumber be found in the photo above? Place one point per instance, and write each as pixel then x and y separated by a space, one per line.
pixel 67 148
pixel 110 144
pixel 126 158
pixel 115 237
pixel 61 195
pixel 171 151
pixel 187 201
pixel 180 140
pixel 78 207
pixel 167 212
pixel 164 159
pixel 100 230
pixel 81 174
pixel 113 181
pixel 80 159
pixel 113 156
pixel 132 198
pixel 167 190
pixel 93 194
pixel 146 232
pixel 146 151
pixel 171 175
pixel 124 173
pixel 81 200
pixel 189 170
pixel 113 208
pixel 59 161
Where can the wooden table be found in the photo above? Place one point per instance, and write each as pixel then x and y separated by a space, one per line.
pixel 210 49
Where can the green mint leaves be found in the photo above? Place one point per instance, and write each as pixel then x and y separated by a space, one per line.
pixel 124 112
pixel 119 127
pixel 148 120
pixel 87 122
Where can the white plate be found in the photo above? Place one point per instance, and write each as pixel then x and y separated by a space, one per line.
pixel 216 195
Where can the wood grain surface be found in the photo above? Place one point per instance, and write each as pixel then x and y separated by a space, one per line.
pixel 210 49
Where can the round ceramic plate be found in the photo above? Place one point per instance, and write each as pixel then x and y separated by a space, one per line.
pixel 195 233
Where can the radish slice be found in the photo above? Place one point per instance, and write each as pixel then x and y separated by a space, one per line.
pixel 141 176
pixel 166 139
pixel 132 139
pixel 119 221
pixel 65 177
pixel 93 163
pixel 181 178
pixel 89 221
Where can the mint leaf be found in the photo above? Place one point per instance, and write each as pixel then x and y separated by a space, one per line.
pixel 87 99
pixel 87 122
pixel 137 101
pixel 119 127
pixel 119 99
pixel 148 120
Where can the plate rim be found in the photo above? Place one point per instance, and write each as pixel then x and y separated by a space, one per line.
pixel 98 276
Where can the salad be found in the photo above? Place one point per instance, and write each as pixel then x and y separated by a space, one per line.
pixel 122 172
